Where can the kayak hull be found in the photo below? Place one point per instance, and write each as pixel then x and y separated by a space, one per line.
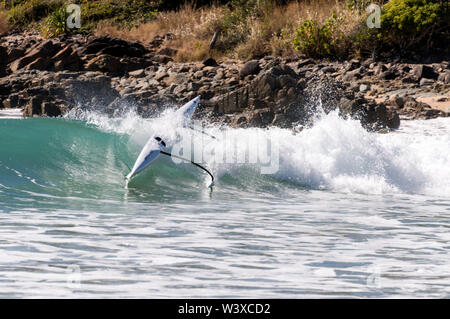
pixel 154 146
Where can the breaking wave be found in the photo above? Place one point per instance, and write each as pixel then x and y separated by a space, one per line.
pixel 87 154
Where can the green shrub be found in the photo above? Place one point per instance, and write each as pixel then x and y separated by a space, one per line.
pixel 320 41
pixel 416 25
pixel 24 14
pixel 407 23
pixel 56 23
pixel 125 13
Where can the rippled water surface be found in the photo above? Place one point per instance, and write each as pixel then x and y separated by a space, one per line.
pixel 348 214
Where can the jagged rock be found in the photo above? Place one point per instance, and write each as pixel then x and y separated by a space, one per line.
pixel 34 107
pixel 51 109
pixel 274 90
pixel 389 74
pixel 444 77
pixel 411 108
pixel 161 74
pixel 15 53
pixel 304 62
pixel 371 115
pixel 193 86
pixel 383 117
pixel 353 64
pixel 270 94
pixel 397 102
pixel 261 117
pixel 349 107
pixel 11 102
pixel 209 62
pixel 425 81
pixel 115 47
pixel 251 67
pixel 328 69
pixel 133 64
pixel 38 58
pixel 378 69
pixel 137 74
pixel 423 71
pixel 351 76
pixel 3 60
pixel 179 89
pixel 409 79
pixel 41 63
pixel 67 59
pixel 106 63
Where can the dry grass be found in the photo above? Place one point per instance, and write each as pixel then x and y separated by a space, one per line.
pixel 269 32
pixel 273 32
pixel 192 30
pixel 4 27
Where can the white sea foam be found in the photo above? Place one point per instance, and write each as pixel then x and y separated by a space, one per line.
pixel 334 154
pixel 11 113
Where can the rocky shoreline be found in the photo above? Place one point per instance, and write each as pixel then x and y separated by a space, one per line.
pixel 50 77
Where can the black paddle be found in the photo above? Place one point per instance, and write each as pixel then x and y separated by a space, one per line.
pixel 185 159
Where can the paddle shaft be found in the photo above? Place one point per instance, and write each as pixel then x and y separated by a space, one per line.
pixel 184 159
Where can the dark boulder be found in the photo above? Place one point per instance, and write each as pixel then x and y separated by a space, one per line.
pixel 251 67
pixel 106 63
pixel 3 60
pixel 210 62
pixel 114 47
pixel 351 76
pixel 373 116
pixel 67 59
pixel 273 91
pixel 15 53
pixel 389 74
pixel 424 71
pixel 38 58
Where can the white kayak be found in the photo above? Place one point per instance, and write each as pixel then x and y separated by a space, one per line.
pixel 155 145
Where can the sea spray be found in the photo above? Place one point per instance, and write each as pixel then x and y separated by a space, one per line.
pixel 334 153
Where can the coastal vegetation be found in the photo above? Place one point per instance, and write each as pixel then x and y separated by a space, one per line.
pixel 248 29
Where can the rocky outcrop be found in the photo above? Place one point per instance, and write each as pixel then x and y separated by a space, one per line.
pixel 39 57
pixel 50 77
pixel 67 59
pixel 115 56
pixel 409 107
pixel 3 60
pixel 279 96
pixel 274 91
pixel 251 67
pixel 372 115
pixel 114 47
pixel 52 94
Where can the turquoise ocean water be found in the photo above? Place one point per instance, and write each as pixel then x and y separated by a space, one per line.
pixel 346 213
